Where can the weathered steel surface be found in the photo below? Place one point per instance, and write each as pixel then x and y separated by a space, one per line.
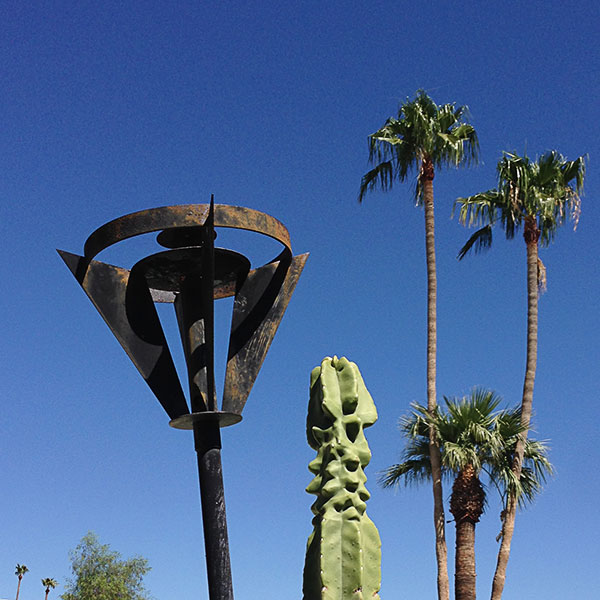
pixel 191 277
pixel 184 215
pixel 165 271
pixel 207 440
pixel 225 419
pixel 194 306
pixel 257 312
pixel 127 308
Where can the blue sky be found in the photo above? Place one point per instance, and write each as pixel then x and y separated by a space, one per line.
pixel 108 108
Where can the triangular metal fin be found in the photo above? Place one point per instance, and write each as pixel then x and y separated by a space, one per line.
pixel 257 312
pixel 125 303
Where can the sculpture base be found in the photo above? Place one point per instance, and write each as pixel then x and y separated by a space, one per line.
pixel 225 419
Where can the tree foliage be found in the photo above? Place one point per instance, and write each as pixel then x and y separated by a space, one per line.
pixel 423 137
pixel 545 192
pixel 474 437
pixel 472 432
pixel 100 573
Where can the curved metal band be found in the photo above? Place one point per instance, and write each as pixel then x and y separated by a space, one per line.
pixel 185 215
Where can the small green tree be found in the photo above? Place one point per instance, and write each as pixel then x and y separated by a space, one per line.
pixel 49 584
pixel 100 573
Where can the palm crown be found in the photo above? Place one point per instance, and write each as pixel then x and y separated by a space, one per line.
pixel 424 136
pixel 20 570
pixel 49 583
pixel 540 194
pixel 471 433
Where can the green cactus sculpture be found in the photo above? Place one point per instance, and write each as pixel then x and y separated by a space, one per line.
pixel 343 555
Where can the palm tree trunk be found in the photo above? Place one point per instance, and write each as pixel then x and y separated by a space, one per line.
pixel 466 505
pixel 464 561
pixel 441 551
pixel 19 587
pixel 531 235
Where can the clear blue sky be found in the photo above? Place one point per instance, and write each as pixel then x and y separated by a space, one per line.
pixel 107 108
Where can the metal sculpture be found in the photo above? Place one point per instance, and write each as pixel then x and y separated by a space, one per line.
pixel 191 274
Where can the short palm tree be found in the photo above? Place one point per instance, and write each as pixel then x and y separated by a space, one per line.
pixel 49 583
pixel 538 196
pixel 20 570
pixel 474 437
pixel 424 137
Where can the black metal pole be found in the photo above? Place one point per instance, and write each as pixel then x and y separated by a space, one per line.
pixel 207 440
pixel 194 307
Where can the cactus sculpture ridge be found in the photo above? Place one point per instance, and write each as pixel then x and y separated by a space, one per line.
pixel 343 555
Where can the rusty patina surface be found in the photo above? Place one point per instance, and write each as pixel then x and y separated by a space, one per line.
pixel 126 298
pixel 184 215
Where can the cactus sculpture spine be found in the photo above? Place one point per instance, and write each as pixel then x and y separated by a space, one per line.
pixel 343 556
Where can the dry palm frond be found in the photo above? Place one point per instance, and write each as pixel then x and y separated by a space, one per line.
pixel 541 276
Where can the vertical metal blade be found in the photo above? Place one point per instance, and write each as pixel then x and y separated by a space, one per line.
pixel 257 312
pixel 124 301
pixel 208 284
pixel 191 317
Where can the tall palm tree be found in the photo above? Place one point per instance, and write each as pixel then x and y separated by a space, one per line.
pixel 474 437
pixel 538 196
pixel 49 583
pixel 20 570
pixel 424 137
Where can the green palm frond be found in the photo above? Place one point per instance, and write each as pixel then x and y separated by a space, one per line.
pixel 479 209
pixel 421 131
pixel 481 240
pixel 410 472
pixel 49 583
pixel 547 190
pixel 471 431
pixel 383 174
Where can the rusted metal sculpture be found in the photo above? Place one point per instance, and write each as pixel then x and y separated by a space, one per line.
pixel 191 274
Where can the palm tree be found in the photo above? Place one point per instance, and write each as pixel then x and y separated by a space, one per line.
pixel 538 196
pixel 474 437
pixel 424 137
pixel 49 583
pixel 19 572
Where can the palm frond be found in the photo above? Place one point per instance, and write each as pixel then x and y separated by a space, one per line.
pixel 421 131
pixel 410 472
pixel 471 430
pixel 541 276
pixel 478 209
pixel 479 241
pixel 547 190
pixel 382 173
